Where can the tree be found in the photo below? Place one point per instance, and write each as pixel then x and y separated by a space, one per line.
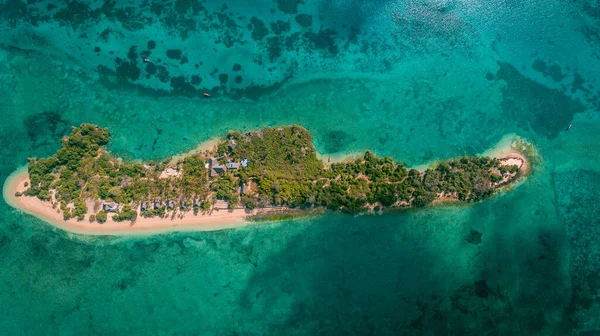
pixel 101 216
pixel 126 213
pixel 80 209
pixel 233 202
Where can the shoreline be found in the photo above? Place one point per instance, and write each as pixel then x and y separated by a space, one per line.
pixel 506 149
pixel 217 219
pixel 202 147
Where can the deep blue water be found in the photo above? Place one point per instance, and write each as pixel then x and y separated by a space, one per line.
pixel 415 80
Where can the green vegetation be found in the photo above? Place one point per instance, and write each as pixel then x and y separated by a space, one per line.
pixel 127 213
pixel 101 216
pixel 282 170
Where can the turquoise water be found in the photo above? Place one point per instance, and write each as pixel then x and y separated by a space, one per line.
pixel 416 80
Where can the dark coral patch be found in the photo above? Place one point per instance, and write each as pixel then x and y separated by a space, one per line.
pixel 274 47
pixel 255 92
pixel 292 40
pixel 289 6
pixel 132 54
pixel 237 67
pixel 151 44
pixel 238 79
pixel 223 78
pixel 184 6
pixel 76 14
pixel 554 71
pixel 128 70
pixel 304 20
pixel 151 68
pixel 547 111
pixel 196 80
pixel 259 30
pixel 279 27
pixel 162 73
pixel 577 83
pixel 179 83
pixel 539 66
pixel 97 49
pixel 474 237
pixel 336 140
pixel 324 40
pixel 174 54
pixel 45 125
pixel 105 34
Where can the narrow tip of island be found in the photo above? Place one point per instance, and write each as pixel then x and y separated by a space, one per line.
pixel 274 173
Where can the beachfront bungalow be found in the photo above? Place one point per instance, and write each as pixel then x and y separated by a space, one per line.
pixel 196 203
pixel 144 206
pixel 231 144
pixel 157 205
pixel 170 205
pixel 233 165
pixel 244 189
pixel 110 207
pixel 182 205
pixel 216 168
pixel 244 163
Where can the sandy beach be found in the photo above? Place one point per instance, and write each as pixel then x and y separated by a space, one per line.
pixel 217 220
pixel 329 159
pixel 507 151
pixel 207 145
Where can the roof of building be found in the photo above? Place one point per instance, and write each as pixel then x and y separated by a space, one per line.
pixel 216 168
pixel 233 165
pixel 244 162
pixel 244 188
pixel 111 206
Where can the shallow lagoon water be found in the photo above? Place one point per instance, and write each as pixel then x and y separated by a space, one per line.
pixel 415 80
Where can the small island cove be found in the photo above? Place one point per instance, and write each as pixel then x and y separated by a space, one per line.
pixel 226 183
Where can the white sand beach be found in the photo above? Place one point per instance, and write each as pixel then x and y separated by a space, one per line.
pixel 216 220
pixel 507 151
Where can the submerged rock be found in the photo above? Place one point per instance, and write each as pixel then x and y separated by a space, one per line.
pixel 474 237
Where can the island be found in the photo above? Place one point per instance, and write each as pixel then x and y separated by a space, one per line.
pixel 272 173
